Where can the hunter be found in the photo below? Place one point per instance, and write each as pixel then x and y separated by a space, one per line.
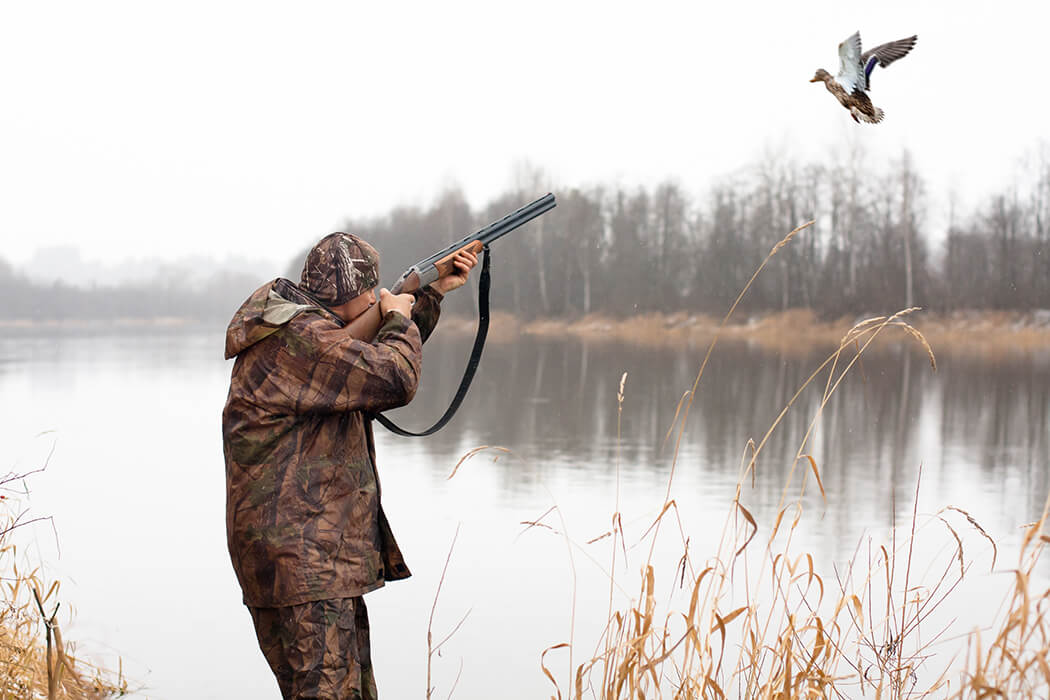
pixel 305 528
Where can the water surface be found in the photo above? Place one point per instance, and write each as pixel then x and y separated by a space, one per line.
pixel 135 484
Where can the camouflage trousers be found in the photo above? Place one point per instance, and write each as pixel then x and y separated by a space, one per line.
pixel 318 649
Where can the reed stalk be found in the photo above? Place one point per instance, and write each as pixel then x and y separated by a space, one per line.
pixel 763 621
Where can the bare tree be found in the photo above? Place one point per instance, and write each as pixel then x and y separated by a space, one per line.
pixel 670 240
pixel 909 192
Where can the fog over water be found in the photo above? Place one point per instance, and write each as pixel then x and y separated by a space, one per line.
pixel 135 485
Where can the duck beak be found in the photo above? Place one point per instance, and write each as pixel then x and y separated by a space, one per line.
pixel 814 79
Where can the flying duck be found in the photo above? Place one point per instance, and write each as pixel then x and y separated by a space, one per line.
pixel 850 86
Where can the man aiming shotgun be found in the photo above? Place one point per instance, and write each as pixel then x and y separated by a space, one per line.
pixel 315 362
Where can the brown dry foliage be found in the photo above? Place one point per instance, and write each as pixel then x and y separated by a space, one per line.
pixel 35 660
pixel 763 622
pixel 988 334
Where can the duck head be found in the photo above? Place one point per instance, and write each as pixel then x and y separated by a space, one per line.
pixel 820 76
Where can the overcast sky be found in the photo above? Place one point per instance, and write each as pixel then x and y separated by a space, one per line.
pixel 145 128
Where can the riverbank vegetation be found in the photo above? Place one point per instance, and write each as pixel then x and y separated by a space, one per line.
pixel 984 333
pixel 35 660
pixel 762 618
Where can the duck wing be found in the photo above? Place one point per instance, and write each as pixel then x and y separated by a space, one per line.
pixel 851 69
pixel 885 54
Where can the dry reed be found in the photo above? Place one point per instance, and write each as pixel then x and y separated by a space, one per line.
pixel 35 660
pixel 761 621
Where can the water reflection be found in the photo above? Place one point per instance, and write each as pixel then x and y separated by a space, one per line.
pixel 972 425
pixel 995 415
pixel 136 484
pixel 975 424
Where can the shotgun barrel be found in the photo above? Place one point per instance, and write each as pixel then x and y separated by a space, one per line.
pixel 436 266
pixel 439 264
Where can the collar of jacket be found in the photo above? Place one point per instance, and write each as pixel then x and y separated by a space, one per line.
pixel 289 298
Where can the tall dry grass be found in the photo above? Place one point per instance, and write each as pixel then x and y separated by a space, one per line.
pixel 762 620
pixel 35 660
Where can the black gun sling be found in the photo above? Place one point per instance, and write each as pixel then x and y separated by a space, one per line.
pixel 472 365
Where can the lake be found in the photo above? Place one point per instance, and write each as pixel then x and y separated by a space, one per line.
pixel 135 485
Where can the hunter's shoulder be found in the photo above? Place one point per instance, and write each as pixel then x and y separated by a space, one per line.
pixel 315 330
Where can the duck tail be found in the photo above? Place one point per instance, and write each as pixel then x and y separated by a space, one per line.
pixel 874 117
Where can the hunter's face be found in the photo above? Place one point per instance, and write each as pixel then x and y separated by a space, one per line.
pixel 358 305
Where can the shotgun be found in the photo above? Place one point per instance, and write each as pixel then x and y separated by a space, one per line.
pixel 436 266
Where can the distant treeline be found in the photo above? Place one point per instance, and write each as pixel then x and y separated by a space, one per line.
pixel 214 299
pixel 621 251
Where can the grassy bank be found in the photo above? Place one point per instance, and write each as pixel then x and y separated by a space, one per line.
pixel 980 332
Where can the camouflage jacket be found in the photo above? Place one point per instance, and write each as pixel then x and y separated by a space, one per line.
pixel 303 514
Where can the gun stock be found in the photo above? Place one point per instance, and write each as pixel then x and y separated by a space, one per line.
pixel 430 269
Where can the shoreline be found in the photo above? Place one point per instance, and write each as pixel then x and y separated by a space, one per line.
pixel 82 323
pixel 795 330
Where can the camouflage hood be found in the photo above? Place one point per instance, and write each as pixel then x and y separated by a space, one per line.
pixel 269 308
pixel 340 267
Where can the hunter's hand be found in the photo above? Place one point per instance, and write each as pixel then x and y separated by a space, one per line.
pixel 463 263
pixel 395 302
